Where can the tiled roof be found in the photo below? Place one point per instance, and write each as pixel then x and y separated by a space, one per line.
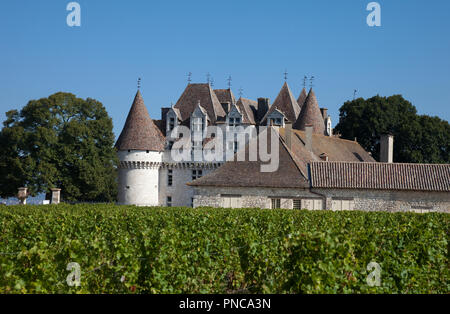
pixel 245 107
pixel 208 99
pixel 140 132
pixel 310 114
pixel 336 148
pixel 248 173
pixel 225 95
pixel 286 103
pixel 380 176
pixel 302 98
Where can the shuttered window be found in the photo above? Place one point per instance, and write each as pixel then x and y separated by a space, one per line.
pixel 276 203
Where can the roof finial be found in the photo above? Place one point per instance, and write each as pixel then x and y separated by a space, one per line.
pixel 212 82
pixel 311 81
pixel 241 91
pixel 354 94
pixel 208 78
pixel 189 77
pixel 285 75
pixel 139 83
pixel 305 78
pixel 229 82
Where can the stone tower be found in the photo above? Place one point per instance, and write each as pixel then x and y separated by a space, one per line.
pixel 140 149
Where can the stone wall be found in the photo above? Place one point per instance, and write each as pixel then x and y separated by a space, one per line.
pixel 249 197
pixel 365 200
pixel 394 201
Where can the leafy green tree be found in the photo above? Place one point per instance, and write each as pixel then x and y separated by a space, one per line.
pixel 417 138
pixel 60 141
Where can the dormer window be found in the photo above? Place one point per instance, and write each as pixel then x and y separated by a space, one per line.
pixel 275 121
pixel 234 121
pixel 197 124
pixel 171 124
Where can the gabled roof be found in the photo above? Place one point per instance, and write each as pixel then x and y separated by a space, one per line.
pixel 176 111
pixel 248 173
pixel 311 115
pixel 286 103
pixel 380 176
pixel 140 132
pixel 336 148
pixel 245 107
pixel 208 99
pixel 302 98
pixel 225 96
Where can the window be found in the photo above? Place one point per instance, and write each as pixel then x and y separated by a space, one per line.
pixel 169 177
pixel 276 203
pixel 234 121
pixel 231 201
pixel 421 209
pixel 169 201
pixel 311 203
pixel 197 124
pixel 342 204
pixel 196 174
pixel 275 121
pixel 297 204
pixel 171 124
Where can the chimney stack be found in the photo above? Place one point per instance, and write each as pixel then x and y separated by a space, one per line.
pixel 288 134
pixel 387 148
pixel 309 132
pixel 263 107
pixel 324 112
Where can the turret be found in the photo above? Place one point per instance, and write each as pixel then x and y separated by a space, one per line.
pixel 140 147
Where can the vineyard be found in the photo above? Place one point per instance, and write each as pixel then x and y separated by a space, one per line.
pixel 127 249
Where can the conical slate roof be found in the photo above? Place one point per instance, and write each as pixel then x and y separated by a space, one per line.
pixel 286 103
pixel 301 99
pixel 310 114
pixel 140 132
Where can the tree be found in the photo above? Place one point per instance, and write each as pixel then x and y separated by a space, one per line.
pixel 60 141
pixel 417 138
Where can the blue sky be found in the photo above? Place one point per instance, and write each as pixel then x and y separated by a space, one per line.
pixel 254 41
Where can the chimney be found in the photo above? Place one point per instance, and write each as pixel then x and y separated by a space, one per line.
pixel 309 132
pixel 288 134
pixel 387 148
pixel 324 112
pixel 324 156
pixel 226 107
pixel 263 107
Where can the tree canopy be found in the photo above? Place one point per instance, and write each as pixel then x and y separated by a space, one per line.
pixel 60 141
pixel 417 138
